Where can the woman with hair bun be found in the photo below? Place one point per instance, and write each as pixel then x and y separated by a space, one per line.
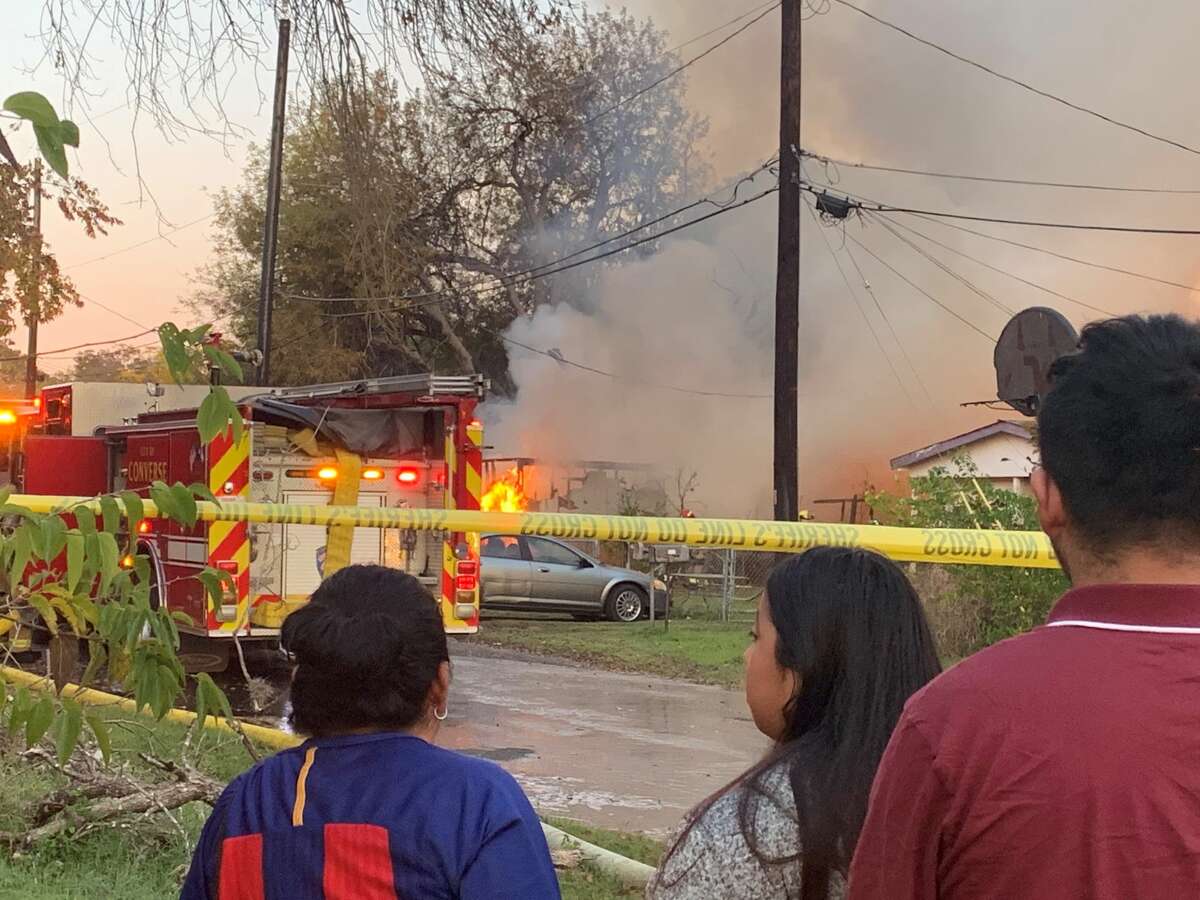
pixel 367 807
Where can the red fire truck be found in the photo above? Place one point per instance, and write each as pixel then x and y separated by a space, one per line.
pixel 405 441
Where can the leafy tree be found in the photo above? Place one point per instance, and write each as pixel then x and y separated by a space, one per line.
pixel 408 212
pixel 128 364
pixel 1011 600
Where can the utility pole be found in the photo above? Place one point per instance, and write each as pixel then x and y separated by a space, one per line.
pixel 266 288
pixel 34 301
pixel 787 273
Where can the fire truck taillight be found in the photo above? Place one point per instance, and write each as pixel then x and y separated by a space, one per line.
pixel 127 562
pixel 372 474
pixel 327 473
pixel 145 526
pixel 408 475
pixel 466 575
pixel 8 417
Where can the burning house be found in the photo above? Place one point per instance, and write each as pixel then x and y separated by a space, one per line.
pixel 517 484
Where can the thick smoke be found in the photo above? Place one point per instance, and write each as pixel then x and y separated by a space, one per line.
pixel 699 313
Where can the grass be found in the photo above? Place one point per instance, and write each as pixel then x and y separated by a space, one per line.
pixel 146 861
pixel 701 651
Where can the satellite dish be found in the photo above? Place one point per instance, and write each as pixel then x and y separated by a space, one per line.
pixel 1031 341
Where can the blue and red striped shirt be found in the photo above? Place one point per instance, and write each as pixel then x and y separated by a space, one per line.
pixel 383 816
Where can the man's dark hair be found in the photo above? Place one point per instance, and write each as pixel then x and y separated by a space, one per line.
pixel 367 647
pixel 1119 431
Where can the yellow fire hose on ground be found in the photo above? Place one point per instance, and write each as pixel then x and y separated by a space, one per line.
pixel 628 871
pixel 966 546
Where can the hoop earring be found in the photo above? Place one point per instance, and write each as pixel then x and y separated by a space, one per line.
pixel 445 713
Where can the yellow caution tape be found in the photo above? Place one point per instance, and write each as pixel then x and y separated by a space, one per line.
pixel 984 547
pixel 340 539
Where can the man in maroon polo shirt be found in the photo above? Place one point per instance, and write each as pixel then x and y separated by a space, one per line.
pixel 1065 763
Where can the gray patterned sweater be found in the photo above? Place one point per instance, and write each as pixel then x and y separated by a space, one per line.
pixel 716 862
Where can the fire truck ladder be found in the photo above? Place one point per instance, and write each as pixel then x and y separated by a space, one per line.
pixel 425 385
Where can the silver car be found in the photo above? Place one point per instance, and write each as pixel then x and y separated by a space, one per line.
pixel 535 574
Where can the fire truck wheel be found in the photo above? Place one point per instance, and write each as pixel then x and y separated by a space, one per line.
pixel 626 603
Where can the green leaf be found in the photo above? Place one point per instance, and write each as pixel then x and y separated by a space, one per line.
pixel 223 361
pixel 75 549
pixel 214 580
pixel 32 106
pixel 135 510
pixel 175 351
pixel 22 550
pixel 185 505
pixel 50 143
pixel 212 419
pixel 111 514
pixel 46 611
pixel 202 492
pixel 20 711
pixel 54 536
pixel 164 500
pixel 68 733
pixel 40 719
pixel 214 698
pixel 110 560
pixel 69 132
pixel 197 334
pixel 86 519
pixel 103 738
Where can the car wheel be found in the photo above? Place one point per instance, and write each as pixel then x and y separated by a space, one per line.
pixel 626 603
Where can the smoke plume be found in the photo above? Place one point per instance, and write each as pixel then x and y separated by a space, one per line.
pixel 882 371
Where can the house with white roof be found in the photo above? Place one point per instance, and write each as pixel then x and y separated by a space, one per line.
pixel 1003 452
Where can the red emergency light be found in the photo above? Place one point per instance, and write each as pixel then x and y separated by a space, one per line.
pixel 408 475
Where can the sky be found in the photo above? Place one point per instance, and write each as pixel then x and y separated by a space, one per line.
pixel 869 95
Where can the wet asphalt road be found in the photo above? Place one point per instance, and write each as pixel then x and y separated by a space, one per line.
pixel 631 752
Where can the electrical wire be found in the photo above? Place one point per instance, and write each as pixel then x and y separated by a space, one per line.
pixel 559 358
pixel 160 237
pixel 733 21
pixel 645 89
pixel 874 206
pixel 1018 82
pixel 916 287
pixel 933 260
pixel 108 309
pixel 506 281
pixel 703 201
pixel 123 340
pixel 926 173
pixel 1063 256
pixel 861 310
pixel 887 319
pixel 987 265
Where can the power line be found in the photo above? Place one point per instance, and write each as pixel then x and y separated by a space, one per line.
pixel 722 27
pixel 703 201
pixel 559 358
pixel 645 89
pixel 159 237
pixel 887 319
pixel 123 340
pixel 1018 82
pixel 1063 256
pixel 109 309
pixel 961 279
pixel 516 280
pixel 861 311
pixel 926 173
pixel 987 265
pixel 875 206
pixel 928 296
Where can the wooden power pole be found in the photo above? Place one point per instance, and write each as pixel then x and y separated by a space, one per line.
pixel 34 301
pixel 266 287
pixel 787 273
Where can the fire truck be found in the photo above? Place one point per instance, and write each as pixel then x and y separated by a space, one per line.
pixel 408 441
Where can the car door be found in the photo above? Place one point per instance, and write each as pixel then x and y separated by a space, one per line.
pixel 560 578
pixel 504 571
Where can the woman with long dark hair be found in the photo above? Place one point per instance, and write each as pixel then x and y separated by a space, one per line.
pixel 840 643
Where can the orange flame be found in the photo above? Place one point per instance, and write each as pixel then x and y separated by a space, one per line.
pixel 505 495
